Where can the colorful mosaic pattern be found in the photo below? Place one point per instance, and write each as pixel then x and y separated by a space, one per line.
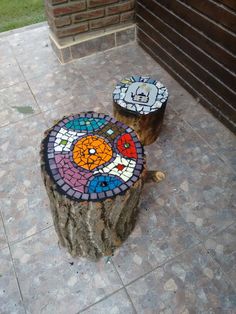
pixel 140 94
pixel 92 156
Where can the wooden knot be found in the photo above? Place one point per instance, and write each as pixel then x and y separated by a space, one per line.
pixel 154 176
pixel 160 176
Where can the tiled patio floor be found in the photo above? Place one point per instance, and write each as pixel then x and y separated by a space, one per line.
pixel 181 257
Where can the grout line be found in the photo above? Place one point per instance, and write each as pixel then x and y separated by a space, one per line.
pixel 205 141
pixel 98 53
pixel 26 81
pixel 13 265
pixel 98 34
pixel 31 92
pixel 9 86
pixel 40 109
pixel 99 301
pixel 19 121
pixel 163 264
pixel 215 233
pixel 188 226
pixel 199 237
pixel 12 243
pixel 200 243
pixel 124 287
pixel 227 278
pixel 131 301
pixel 5 234
pixel 115 38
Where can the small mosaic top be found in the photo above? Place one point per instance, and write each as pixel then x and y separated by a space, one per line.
pixel 92 156
pixel 140 94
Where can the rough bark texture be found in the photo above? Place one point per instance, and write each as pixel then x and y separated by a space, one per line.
pixel 92 229
pixel 147 126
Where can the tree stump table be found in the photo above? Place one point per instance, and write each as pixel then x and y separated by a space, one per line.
pixel 93 168
pixel 140 102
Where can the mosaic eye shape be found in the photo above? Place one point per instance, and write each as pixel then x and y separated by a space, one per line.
pixel 126 146
pixel 92 156
pixel 91 152
pixel 140 94
pixel 103 183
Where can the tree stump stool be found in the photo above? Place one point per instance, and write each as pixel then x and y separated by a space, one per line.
pixel 140 102
pixel 93 169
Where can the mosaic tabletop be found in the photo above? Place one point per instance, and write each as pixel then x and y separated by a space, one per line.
pixel 91 156
pixel 140 94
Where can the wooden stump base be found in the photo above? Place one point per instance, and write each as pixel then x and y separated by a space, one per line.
pixel 140 103
pixel 93 229
pixel 93 169
pixel 147 127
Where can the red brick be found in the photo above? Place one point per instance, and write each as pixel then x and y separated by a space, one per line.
pixel 88 15
pixel 69 8
pixel 72 30
pixel 122 7
pixel 62 21
pixel 100 23
pixel 127 16
pixel 96 3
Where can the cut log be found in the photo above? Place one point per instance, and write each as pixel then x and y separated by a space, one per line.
pixel 93 201
pixel 140 102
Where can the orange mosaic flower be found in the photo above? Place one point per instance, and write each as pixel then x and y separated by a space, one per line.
pixel 91 152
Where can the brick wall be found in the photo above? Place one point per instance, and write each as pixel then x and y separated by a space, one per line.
pixel 72 17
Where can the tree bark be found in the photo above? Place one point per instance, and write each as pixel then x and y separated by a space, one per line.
pixel 92 228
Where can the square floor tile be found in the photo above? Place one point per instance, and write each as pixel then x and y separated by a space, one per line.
pixel 24 136
pixel 10 72
pixel 222 247
pixel 160 234
pixel 10 299
pixel 59 87
pixel 23 42
pixel 17 102
pixel 118 303
pixel 52 282
pixel 38 62
pixel 191 283
pixel 34 61
pixel 6 52
pixel 85 103
pixel 222 140
pixel 202 184
pixel 24 203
